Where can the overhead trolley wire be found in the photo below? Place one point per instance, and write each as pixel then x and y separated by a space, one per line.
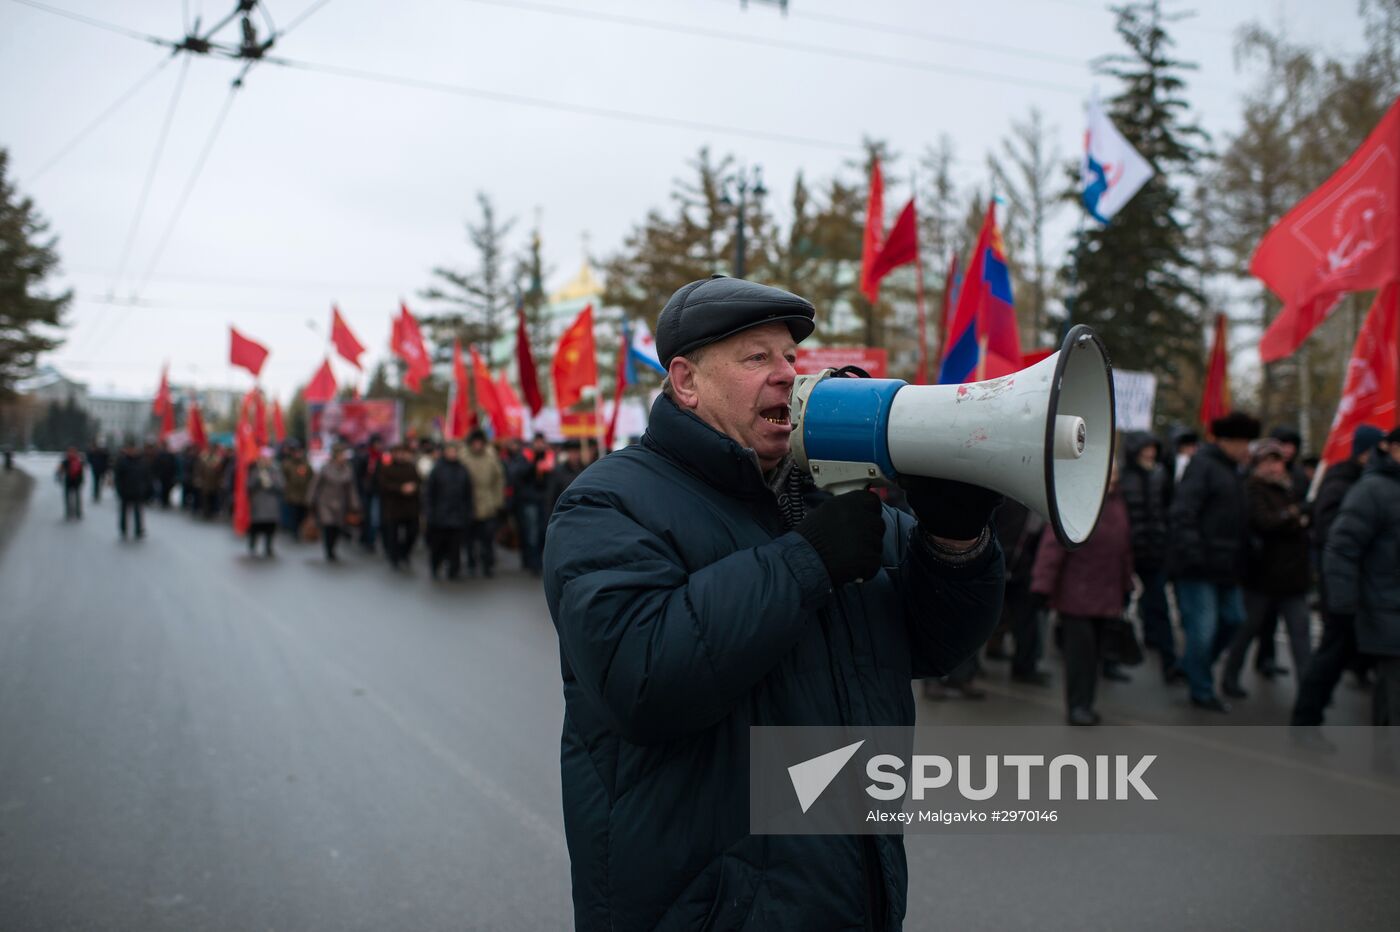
pixel 93 21
pixel 101 118
pixel 827 50
pixel 188 189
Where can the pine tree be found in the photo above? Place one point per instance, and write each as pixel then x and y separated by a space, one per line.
pixel 474 306
pixel 27 258
pixel 1134 280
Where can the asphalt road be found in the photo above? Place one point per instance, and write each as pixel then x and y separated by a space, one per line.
pixel 192 739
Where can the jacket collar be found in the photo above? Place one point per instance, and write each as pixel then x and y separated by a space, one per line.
pixel 1220 456
pixel 1380 463
pixel 702 451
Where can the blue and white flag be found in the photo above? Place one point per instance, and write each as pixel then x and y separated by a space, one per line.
pixel 1112 170
pixel 642 348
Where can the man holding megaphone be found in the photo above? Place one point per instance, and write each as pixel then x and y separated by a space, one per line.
pixel 701 584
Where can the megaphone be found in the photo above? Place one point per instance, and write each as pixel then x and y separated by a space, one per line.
pixel 1043 436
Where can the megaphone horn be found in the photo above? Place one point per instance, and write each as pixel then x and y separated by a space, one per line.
pixel 1043 436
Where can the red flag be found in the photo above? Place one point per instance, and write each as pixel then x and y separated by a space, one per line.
pixel 321 388
pixel 258 418
pixel 515 411
pixel 162 406
pixel 460 416
pixel 1343 237
pixel 617 395
pixel 486 395
pixel 245 352
pixel 345 343
pixel 407 344
pixel 525 362
pixel 575 361
pixel 1215 403
pixel 1369 394
pixel 194 426
pixel 874 233
pixel 279 427
pixel 901 247
pixel 982 341
pixel 245 453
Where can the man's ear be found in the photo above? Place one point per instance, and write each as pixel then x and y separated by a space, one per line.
pixel 684 375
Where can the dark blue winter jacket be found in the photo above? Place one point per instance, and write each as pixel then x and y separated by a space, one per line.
pixel 686 613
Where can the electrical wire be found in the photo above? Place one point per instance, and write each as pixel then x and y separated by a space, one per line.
pixel 826 50
pixel 99 23
pixel 151 173
pixel 189 188
pixel 102 118
pixel 461 90
pixel 302 16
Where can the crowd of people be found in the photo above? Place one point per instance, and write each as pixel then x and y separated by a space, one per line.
pixel 1224 531
pixel 1227 532
pixel 461 499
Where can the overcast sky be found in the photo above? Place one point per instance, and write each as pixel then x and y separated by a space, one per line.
pixel 324 187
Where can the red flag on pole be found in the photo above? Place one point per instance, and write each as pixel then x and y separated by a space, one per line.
pixel 407 344
pixel 460 417
pixel 525 362
pixel 1343 237
pixel 486 395
pixel 279 427
pixel 901 247
pixel 162 406
pixel 344 340
pixel 575 361
pixel 1369 394
pixel 321 388
pixel 874 232
pixel 515 411
pixel 194 426
pixel 1215 402
pixel 249 354
pixel 245 454
pixel 617 395
pixel 259 418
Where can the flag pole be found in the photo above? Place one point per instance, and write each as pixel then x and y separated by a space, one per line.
pixel 921 373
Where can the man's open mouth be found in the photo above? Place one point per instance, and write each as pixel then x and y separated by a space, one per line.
pixel 778 414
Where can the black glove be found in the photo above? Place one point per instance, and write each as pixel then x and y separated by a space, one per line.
pixel 949 509
pixel 847 532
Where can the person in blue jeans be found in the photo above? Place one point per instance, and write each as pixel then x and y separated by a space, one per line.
pixel 1209 521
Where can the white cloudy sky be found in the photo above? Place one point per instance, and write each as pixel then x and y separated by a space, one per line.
pixel 323 187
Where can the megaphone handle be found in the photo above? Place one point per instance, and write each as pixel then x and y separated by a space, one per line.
pixel 841 488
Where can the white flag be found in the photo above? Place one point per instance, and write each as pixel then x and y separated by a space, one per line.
pixel 1112 171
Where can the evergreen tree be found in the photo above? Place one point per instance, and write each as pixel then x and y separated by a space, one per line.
pixel 1134 280
pixel 474 306
pixel 64 425
pixel 27 258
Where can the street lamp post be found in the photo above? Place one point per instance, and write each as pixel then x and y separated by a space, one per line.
pixel 746 183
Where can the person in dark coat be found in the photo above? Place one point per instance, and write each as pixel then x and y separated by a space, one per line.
pixel 1146 486
pixel 70 474
pixel 1276 572
pixel 566 470
pixel 1336 651
pixel 1209 520
pixel 164 469
pixel 1362 566
pixel 528 476
pixel 99 461
pixel 447 505
pixel 132 478
pixel 369 459
pixel 265 485
pixel 700 586
pixel 1087 587
pixel 296 485
pixel 1019 532
pixel 400 497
